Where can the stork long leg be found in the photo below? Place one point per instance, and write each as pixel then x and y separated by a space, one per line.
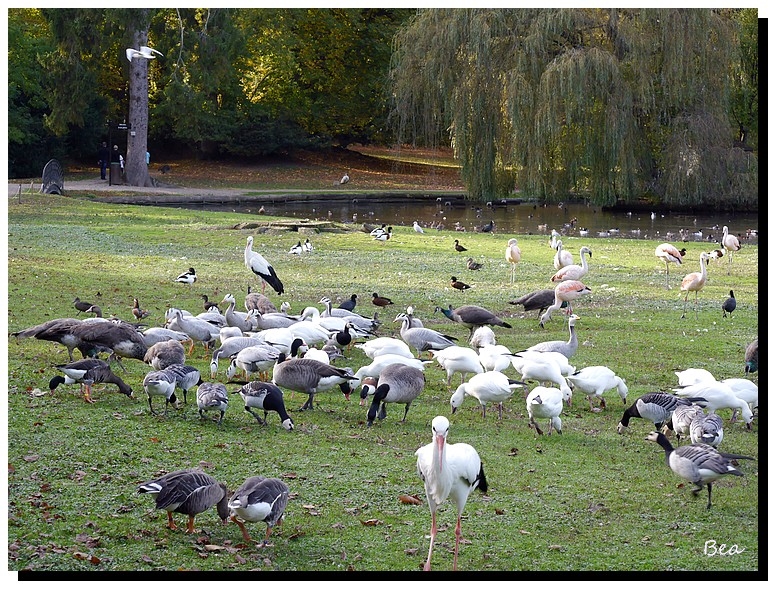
pixel 427 566
pixel 457 542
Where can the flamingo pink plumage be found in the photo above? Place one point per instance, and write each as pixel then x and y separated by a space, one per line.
pixel 574 271
pixel 694 282
pixel 670 255
pixel 731 244
pixel 566 291
pixel 512 255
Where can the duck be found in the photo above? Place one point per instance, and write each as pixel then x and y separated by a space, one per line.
pixel 360 326
pixel 310 377
pixel 257 264
pixel 486 387
pixel 385 345
pixel 594 381
pixel 208 305
pixel 458 247
pixel 567 348
pixel 379 301
pixel 655 407
pixel 212 396
pixel 482 336
pixel 546 403
pixel 538 300
pixel 385 235
pixel 267 397
pixel 160 383
pixel 379 363
pixel 751 357
pixel 458 359
pixel 137 312
pixel 562 257
pixel 188 277
pixel 165 353
pixel 81 306
pixel 296 249
pixel 307 246
pixel 458 284
pixel 574 271
pixel 259 499
pixel 706 428
pixel 87 372
pixel 259 302
pixel 729 305
pixel 397 383
pixel 188 491
pixel 377 230
pixel 254 359
pixel 472 265
pixel 699 464
pixel 423 339
pixel 472 316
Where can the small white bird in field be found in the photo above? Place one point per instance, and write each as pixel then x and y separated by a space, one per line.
pixel 345 179
pixel 417 228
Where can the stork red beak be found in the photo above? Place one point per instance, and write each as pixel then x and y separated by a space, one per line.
pixel 440 442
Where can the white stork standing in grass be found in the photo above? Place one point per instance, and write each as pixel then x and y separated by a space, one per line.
pixel 670 255
pixel 256 263
pixel 448 470
pixel 731 244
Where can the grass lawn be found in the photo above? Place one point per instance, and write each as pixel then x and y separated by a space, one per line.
pixel 589 500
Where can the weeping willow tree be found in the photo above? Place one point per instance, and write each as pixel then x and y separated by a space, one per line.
pixel 611 104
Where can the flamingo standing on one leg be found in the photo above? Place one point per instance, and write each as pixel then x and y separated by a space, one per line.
pixel 731 244
pixel 694 282
pixel 669 254
pixel 512 255
pixel 566 291
pixel 452 470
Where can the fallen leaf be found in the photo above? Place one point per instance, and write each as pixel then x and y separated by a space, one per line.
pixel 410 499
pixel 213 547
pixel 670 544
pixel 371 522
pixel 31 458
pixel 147 559
pixel 555 547
pixel 525 532
pixel 411 551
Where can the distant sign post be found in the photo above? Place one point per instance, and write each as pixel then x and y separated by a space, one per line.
pixel 118 127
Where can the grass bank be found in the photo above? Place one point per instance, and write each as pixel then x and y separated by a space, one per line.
pixel 587 500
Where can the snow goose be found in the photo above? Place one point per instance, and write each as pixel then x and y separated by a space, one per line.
pixel 574 271
pixel 567 348
pixel 538 369
pixel 486 387
pixel 212 396
pixel 267 397
pixel 594 381
pixel 458 359
pixel 311 332
pixel 693 376
pixel 494 357
pixel 423 339
pixel 448 470
pixel 699 464
pixel 718 395
pixel 385 345
pixel 163 354
pixel 654 407
pixel 482 336
pixel 317 354
pixel 257 264
pixel 189 492
pixel 379 363
pixel 472 316
pixel 284 340
pixel 745 390
pixel 259 499
pixel 546 403
pixel 706 428
pixel 311 377
pixel 518 359
pixel 87 372
pixel 397 383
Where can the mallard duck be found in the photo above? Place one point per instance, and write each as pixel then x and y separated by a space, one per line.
pixel 212 396
pixel 209 305
pixel 189 492
pixel 257 264
pixel 87 372
pixel 268 397
pixel 188 277
pixel 259 499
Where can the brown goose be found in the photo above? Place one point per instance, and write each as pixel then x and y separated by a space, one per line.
pixel 190 492
pixel 57 330
pixel 121 338
pixel 88 372
pixel 259 500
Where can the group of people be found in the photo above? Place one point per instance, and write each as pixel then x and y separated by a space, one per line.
pixel 106 156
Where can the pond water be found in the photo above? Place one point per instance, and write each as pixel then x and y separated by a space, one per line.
pixel 514 218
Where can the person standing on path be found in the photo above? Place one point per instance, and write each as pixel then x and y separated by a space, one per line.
pixel 103 155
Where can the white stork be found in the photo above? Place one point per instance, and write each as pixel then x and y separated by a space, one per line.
pixel 452 470
pixel 256 263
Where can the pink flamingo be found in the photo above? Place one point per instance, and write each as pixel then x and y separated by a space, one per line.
pixel 731 244
pixel 566 291
pixel 512 255
pixel 669 254
pixel 694 282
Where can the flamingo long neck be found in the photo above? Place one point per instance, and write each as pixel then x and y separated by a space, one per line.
pixel 703 269
pixel 584 260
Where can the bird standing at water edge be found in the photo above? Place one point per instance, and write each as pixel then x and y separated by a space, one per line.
pixel 448 470
pixel 256 263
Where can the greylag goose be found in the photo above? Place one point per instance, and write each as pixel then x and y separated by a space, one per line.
pixel 164 354
pixel 699 464
pixel 311 376
pixel 257 264
pixel 189 492
pixel 259 499
pixel 267 397
pixel 397 383
pixel 423 339
pixel 87 372
pixel 212 396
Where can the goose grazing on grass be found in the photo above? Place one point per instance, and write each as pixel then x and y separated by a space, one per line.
pixel 121 338
pixel 594 381
pixel 198 330
pixel 164 354
pixel 657 408
pixel 670 255
pixel 537 369
pixel 311 377
pixel 59 331
pixel 694 282
pixel 233 345
pixel 518 359
pixel 257 264
pixel 160 383
pixel 188 277
pixel 254 359
pixel 566 291
pixel 494 357
pixel 546 403
pixel 706 428
pixel 752 357
pixel 189 492
pixel 562 257
pixel 259 302
pixel 574 271
pixel 259 499
pixel 566 348
pixel 718 396
pixel 731 244
pixel 212 396
pixel 538 300
pixel 448 470
pixel 512 256
pixel 458 359
pixel 681 419
pixel 472 317
pixel 423 339
pixel 186 377
pixel 745 390
pixel 397 383
pixel 154 335
pixel 699 464
pixel 87 372
pixel 385 345
pixel 486 387
pixel 266 397
pixel 482 336
pixel 692 376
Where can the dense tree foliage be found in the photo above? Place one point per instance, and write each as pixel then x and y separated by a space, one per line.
pixel 612 104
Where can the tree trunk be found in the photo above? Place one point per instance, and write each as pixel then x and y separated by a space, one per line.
pixel 137 139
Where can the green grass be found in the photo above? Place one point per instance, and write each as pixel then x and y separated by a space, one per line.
pixel 587 500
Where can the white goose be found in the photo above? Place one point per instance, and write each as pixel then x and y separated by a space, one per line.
pixel 718 395
pixel 594 381
pixel 385 345
pixel 458 359
pixel 482 336
pixel 486 387
pixel 495 357
pixel 383 361
pixel 546 403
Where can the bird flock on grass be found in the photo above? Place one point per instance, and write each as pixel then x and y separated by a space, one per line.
pixel 278 354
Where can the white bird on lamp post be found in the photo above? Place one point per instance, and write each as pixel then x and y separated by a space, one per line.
pixel 145 53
